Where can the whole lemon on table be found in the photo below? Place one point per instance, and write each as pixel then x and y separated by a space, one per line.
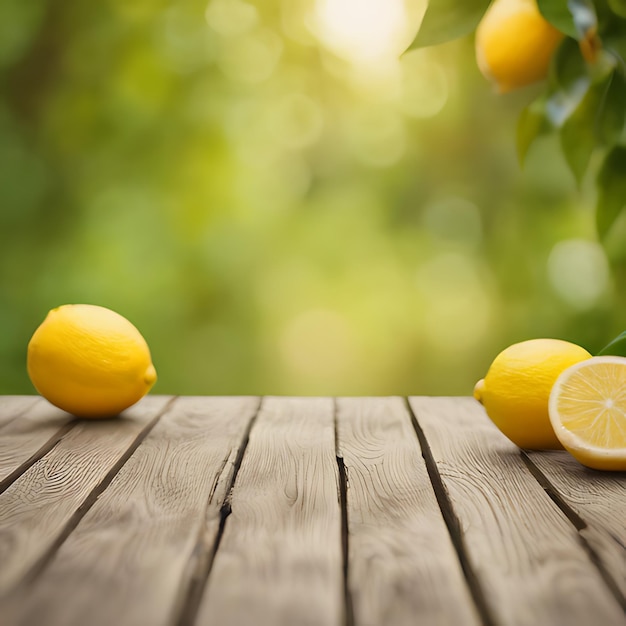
pixel 516 390
pixel 89 361
pixel 515 43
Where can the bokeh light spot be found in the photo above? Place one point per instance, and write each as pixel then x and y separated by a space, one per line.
pixel 424 85
pixel 319 345
pixel 186 43
pixel 457 304
pixel 453 219
pixel 231 17
pixel 251 58
pixel 579 272
pixel 298 121
pixel 378 138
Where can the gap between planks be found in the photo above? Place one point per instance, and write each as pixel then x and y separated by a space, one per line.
pixel 39 566
pixel 579 523
pixel 279 561
pixel 208 549
pixel 452 522
pixel 33 429
pixel 188 603
pixel 36 456
pixel 345 535
pixel 201 564
pixel 536 535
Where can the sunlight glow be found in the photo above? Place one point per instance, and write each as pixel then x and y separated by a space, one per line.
pixel 362 31
pixel 579 272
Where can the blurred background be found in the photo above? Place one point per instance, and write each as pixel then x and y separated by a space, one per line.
pixel 280 200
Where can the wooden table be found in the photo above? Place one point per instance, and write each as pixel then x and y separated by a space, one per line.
pixel 299 511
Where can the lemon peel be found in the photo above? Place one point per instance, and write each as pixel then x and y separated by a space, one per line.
pixel 89 361
pixel 515 44
pixel 516 390
pixel 587 409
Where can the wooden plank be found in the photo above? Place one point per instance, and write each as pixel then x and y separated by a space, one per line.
pixel 125 563
pixel 402 564
pixel 598 499
pixel 36 509
pixel 280 561
pixel 38 426
pixel 12 407
pixel 531 566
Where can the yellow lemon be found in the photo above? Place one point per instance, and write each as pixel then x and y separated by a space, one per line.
pixel 516 390
pixel 588 412
pixel 89 361
pixel 514 44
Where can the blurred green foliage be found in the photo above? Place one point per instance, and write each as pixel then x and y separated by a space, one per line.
pixel 280 201
pixel 584 98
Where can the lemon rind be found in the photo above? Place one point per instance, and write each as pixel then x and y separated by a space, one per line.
pixel 570 440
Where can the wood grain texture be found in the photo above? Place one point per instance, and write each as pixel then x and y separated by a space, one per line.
pixel 35 509
pixel 599 499
pixel 525 551
pixel 12 407
pixel 402 562
pixel 35 423
pixel 133 546
pixel 280 560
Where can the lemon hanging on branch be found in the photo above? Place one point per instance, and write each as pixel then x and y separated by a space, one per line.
pixel 515 44
pixel 578 47
pixel 89 361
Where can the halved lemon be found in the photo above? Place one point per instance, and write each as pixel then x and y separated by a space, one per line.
pixel 587 410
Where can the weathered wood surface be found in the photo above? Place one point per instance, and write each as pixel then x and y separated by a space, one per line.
pixel 524 550
pixel 280 560
pixel 598 500
pixel 37 508
pixel 307 511
pixel 11 407
pixel 29 430
pixel 401 559
pixel 137 541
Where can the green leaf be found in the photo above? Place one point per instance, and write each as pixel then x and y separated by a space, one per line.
pixel 558 14
pixel 579 131
pixel 616 45
pixel 577 19
pixel 612 120
pixel 616 347
pixel 568 83
pixel 611 183
pixel 567 66
pixel 445 20
pixel 618 7
pixel 531 124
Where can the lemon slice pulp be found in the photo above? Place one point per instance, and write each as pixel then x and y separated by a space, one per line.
pixel 587 410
